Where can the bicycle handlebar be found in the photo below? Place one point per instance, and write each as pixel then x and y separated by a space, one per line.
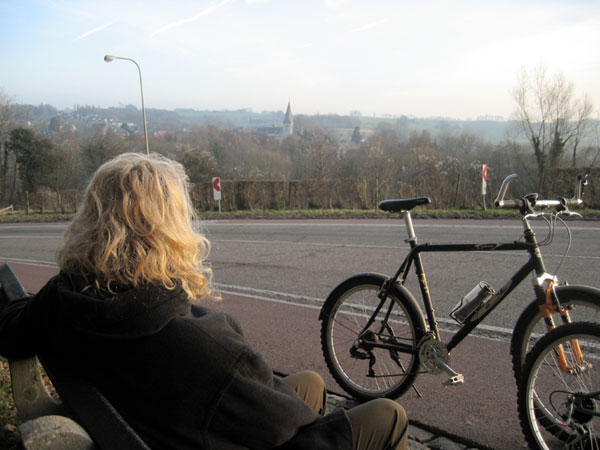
pixel 531 200
pixel 500 202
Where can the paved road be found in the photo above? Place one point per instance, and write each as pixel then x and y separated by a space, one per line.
pixel 281 262
pixel 310 258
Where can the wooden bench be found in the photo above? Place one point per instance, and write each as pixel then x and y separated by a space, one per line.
pixel 82 419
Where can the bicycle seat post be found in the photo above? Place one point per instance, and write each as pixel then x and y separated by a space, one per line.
pixel 412 238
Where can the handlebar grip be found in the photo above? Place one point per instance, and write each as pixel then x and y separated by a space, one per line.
pixel 515 204
pixel 572 201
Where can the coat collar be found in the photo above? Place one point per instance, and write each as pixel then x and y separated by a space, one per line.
pixel 121 312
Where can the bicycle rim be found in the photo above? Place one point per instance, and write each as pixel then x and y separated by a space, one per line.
pixel 366 372
pixel 551 420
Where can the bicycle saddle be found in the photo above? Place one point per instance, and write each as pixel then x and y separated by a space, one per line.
pixel 405 204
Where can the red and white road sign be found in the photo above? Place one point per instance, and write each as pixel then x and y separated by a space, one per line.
pixel 484 177
pixel 216 183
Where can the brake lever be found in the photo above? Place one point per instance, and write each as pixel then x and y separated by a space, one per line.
pixel 569 213
pixel 534 215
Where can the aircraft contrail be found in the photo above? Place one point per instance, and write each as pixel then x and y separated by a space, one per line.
pixel 202 13
pixel 95 30
pixel 369 26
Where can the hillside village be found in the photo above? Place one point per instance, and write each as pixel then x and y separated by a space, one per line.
pixel 126 120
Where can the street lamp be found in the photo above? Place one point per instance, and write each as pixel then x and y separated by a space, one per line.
pixel 109 58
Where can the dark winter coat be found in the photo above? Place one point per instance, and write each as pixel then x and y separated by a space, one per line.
pixel 181 375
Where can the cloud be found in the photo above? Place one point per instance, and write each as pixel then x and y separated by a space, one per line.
pixel 211 9
pixel 369 26
pixel 95 30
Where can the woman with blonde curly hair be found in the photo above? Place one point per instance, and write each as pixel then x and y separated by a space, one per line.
pixel 124 313
pixel 136 225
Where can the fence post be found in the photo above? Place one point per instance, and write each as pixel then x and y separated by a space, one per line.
pixel 456 190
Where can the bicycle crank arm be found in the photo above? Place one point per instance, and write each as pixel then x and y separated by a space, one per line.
pixel 455 377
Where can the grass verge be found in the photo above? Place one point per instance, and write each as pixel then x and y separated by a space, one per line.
pixel 355 214
pixel 419 213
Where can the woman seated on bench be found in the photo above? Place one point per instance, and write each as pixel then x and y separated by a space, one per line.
pixel 126 313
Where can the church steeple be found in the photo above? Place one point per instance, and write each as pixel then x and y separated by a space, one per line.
pixel 288 121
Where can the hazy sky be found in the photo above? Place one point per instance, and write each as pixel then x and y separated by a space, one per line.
pixel 424 58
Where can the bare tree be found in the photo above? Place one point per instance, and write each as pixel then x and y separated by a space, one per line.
pixel 594 149
pixel 66 161
pixel 378 159
pixel 99 148
pixel 200 165
pixel 6 114
pixel 6 119
pixel 319 153
pixel 551 117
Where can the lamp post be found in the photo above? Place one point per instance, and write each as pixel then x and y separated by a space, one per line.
pixel 109 58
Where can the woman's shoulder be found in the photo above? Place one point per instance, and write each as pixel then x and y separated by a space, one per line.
pixel 216 318
pixel 212 331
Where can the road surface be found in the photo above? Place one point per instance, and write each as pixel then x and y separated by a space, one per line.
pixel 275 274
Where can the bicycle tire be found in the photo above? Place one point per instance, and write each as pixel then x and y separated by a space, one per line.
pixel 344 315
pixel 584 304
pixel 546 393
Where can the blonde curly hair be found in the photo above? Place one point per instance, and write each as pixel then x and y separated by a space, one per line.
pixel 136 225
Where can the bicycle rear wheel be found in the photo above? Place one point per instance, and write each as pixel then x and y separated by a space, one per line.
pixel 583 303
pixel 560 408
pixel 352 321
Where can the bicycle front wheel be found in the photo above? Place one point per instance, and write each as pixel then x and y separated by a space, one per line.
pixel 559 395
pixel 583 304
pixel 370 344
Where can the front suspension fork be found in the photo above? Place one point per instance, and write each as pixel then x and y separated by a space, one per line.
pixel 551 306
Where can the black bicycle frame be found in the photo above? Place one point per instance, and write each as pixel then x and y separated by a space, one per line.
pixel 535 263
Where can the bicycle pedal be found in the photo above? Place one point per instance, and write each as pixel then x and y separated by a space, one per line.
pixel 456 379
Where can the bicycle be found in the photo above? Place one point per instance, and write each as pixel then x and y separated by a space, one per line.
pixel 374 336
pixel 559 396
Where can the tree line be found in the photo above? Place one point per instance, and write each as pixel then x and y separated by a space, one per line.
pixel 553 129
